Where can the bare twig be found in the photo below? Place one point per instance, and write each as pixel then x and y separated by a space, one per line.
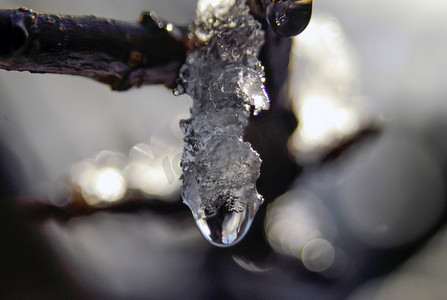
pixel 120 54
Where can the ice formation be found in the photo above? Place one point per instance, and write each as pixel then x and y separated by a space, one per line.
pixel 225 80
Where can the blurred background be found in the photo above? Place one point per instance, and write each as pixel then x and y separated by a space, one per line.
pixel 368 225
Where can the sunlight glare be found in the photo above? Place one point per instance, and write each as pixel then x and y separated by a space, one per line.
pixel 109 184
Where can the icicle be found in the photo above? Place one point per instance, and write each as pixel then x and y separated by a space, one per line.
pixel 225 80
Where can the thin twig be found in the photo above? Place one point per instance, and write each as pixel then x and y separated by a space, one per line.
pixel 120 54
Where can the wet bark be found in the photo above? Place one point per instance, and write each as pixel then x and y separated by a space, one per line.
pixel 120 54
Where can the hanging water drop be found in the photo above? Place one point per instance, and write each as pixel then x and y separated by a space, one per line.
pixel 225 227
pixel 287 17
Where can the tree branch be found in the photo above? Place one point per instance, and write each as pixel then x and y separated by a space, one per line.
pixel 120 54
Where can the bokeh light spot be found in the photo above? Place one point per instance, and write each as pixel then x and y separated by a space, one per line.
pixel 108 184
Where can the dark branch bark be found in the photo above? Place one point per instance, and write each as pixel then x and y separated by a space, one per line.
pixel 120 54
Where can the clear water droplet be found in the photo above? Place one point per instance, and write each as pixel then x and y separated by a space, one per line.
pixel 288 17
pixel 225 228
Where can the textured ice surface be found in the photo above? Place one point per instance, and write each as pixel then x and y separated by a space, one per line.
pixel 225 80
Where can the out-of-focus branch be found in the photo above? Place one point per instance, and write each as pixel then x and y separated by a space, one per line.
pixel 120 54
pixel 258 7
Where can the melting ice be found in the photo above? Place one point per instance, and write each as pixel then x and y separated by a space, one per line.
pixel 225 80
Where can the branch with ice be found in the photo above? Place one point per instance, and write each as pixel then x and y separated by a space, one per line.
pixel 225 80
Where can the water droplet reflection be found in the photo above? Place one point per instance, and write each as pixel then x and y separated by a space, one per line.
pixel 290 17
pixel 225 228
pixel 248 265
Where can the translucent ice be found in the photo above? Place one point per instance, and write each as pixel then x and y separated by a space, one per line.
pixel 225 80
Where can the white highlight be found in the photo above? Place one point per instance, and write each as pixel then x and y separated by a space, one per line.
pixel 108 184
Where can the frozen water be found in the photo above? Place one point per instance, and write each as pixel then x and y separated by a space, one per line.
pixel 225 80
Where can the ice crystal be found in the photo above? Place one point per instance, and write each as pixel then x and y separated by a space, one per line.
pixel 225 80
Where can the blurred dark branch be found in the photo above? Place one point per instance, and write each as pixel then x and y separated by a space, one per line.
pixel 279 169
pixel 258 8
pixel 36 210
pixel 120 54
pixel 340 149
